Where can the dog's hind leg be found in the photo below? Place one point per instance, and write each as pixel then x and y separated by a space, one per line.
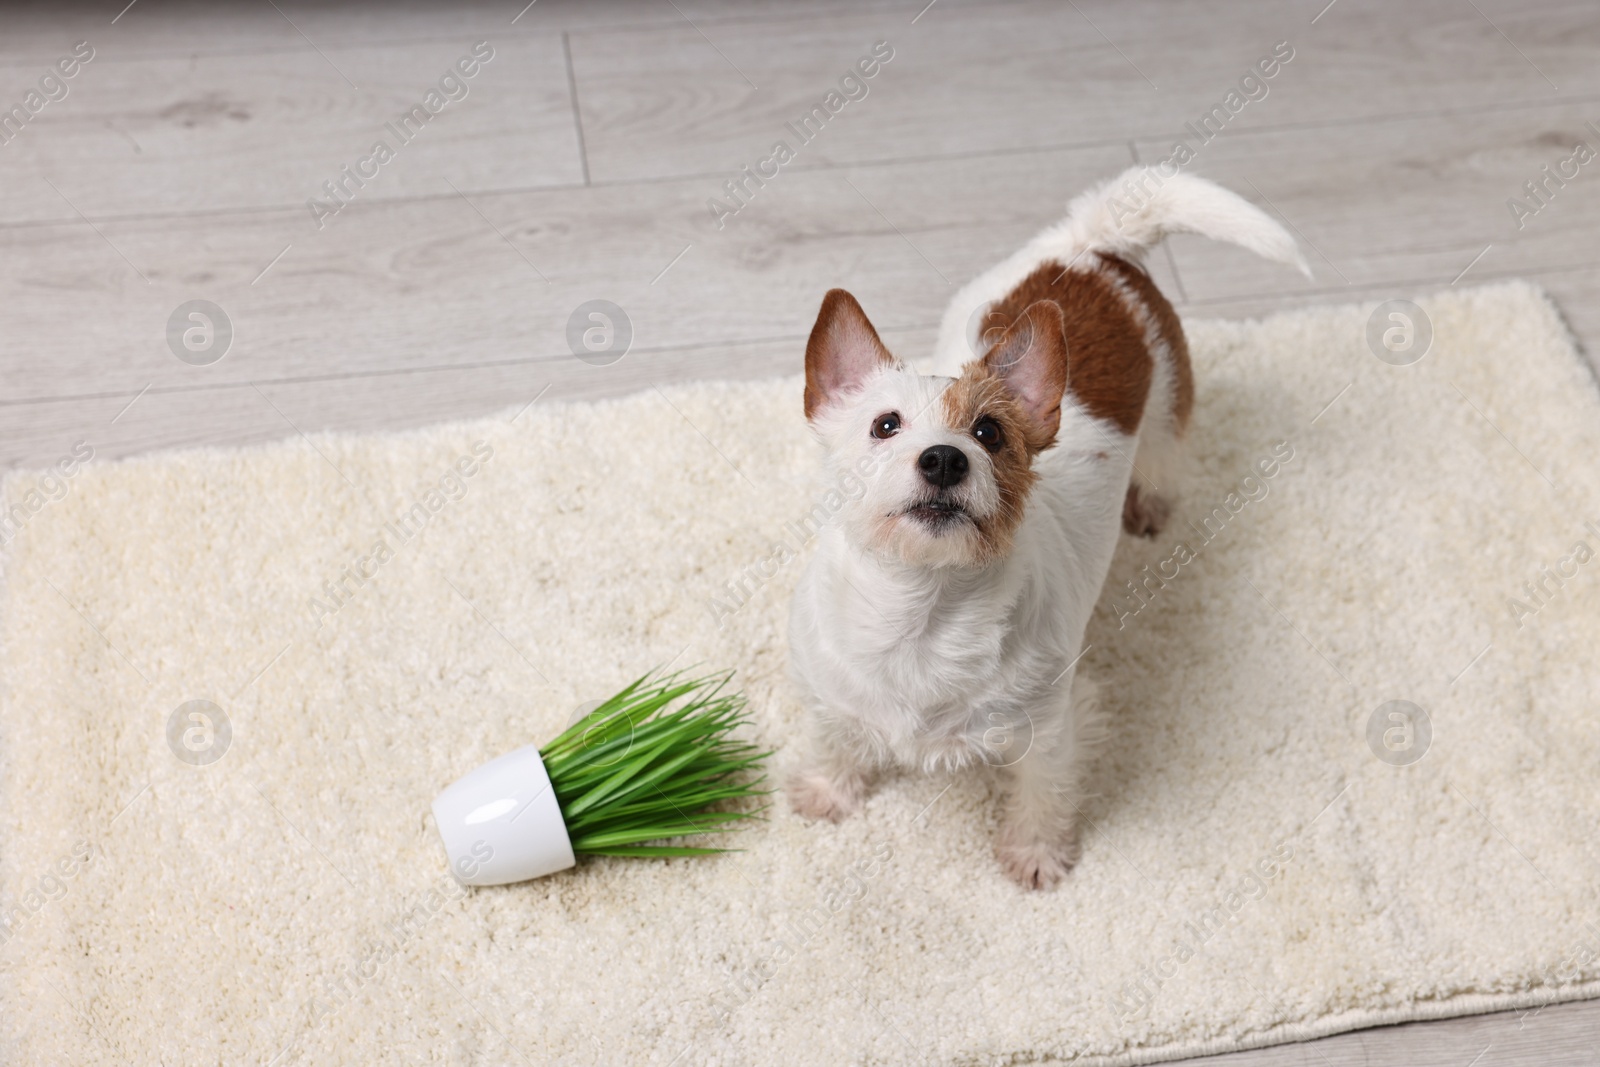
pixel 1156 463
pixel 1148 503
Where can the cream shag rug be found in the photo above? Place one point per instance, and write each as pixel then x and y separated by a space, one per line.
pixel 1253 871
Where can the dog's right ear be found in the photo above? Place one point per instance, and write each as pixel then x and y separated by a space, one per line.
pixel 843 351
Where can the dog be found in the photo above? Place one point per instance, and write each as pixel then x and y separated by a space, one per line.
pixel 939 623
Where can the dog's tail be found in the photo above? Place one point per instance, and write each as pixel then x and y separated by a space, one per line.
pixel 1131 213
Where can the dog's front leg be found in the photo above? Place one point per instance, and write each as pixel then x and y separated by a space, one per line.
pixel 835 778
pixel 1038 841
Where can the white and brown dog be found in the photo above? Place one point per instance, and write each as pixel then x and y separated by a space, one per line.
pixel 940 621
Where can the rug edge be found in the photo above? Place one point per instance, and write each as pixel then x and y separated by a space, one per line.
pixel 1465 1005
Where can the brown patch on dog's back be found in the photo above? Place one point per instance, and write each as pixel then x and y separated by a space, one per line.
pixel 1110 369
pixel 979 392
pixel 1171 331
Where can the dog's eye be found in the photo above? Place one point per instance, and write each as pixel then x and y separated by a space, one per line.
pixel 987 433
pixel 887 426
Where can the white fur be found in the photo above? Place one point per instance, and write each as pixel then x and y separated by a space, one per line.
pixel 911 654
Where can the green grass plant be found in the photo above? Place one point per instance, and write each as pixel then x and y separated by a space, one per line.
pixel 656 762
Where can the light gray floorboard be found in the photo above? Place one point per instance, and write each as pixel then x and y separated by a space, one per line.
pixel 661 99
pixel 496 276
pixel 184 154
pixel 180 27
pixel 239 131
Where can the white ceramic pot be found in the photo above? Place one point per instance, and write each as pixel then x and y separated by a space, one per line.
pixel 501 822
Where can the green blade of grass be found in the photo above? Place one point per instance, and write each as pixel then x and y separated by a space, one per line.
pixel 658 850
pixel 617 780
pixel 594 760
pixel 655 831
pixel 594 737
pixel 607 710
pixel 669 823
pixel 686 800
pixel 625 709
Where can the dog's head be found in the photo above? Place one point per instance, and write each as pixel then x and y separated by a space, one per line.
pixel 947 462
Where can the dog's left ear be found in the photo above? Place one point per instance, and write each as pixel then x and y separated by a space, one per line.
pixel 1031 358
pixel 842 353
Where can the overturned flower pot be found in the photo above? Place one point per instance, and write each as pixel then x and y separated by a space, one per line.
pixel 655 762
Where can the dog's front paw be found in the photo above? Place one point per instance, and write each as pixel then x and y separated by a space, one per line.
pixel 1035 864
pixel 816 796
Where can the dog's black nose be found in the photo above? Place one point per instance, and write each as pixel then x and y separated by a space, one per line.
pixel 943 465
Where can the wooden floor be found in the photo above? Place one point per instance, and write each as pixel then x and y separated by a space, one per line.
pixel 579 164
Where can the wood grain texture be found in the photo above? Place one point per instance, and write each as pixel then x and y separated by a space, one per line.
pixel 268 129
pixel 661 100
pixel 474 277
pixel 182 158
pixel 38 29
